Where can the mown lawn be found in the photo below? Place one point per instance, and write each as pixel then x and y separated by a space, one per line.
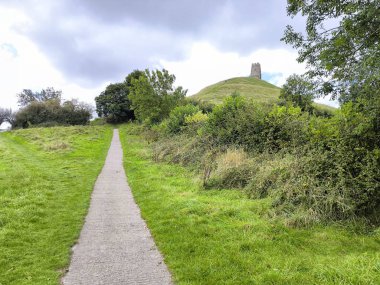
pixel 46 178
pixel 221 237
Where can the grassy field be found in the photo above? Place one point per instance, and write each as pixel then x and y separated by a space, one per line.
pixel 46 178
pixel 221 237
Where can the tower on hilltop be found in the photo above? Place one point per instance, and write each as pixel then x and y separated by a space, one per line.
pixel 256 70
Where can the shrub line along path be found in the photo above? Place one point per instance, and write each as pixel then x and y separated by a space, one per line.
pixel 115 245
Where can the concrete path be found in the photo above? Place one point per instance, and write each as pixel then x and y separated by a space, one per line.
pixel 115 245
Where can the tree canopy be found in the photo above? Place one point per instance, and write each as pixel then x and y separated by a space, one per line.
pixel 5 115
pixel 298 91
pixel 28 96
pixel 153 95
pixel 341 46
pixel 114 103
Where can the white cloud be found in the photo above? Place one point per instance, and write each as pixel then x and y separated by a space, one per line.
pixel 206 65
pixel 24 66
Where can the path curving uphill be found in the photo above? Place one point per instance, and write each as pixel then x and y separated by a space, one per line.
pixel 115 245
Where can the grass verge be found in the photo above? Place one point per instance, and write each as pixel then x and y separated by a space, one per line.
pixel 46 178
pixel 222 237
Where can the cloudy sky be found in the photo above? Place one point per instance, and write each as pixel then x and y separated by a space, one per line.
pixel 80 47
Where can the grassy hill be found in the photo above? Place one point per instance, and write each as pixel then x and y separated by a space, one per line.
pixel 259 90
pixel 249 87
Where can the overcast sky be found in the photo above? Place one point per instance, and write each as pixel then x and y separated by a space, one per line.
pixel 80 47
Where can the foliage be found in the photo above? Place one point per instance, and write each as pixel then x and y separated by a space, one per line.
pixel 285 128
pixel 6 115
pixel 153 96
pixel 205 106
pixel 178 116
pixel 298 91
pixel 114 103
pixel 341 46
pixel 236 122
pixel 28 96
pixel 51 113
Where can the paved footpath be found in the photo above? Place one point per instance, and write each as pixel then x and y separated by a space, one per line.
pixel 115 245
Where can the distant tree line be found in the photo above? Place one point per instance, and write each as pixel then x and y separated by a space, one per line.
pixel 46 108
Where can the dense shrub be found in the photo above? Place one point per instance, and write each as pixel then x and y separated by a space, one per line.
pixel 52 113
pixel 285 128
pixel 237 122
pixel 205 107
pixel 339 176
pixel 177 117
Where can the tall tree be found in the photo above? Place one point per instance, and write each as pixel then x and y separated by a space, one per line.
pixel 6 115
pixel 28 96
pixel 154 96
pixel 341 46
pixel 114 103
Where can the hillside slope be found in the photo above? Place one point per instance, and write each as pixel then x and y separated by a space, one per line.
pixel 259 90
pixel 252 88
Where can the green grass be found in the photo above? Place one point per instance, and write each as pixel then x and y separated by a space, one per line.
pixel 46 178
pixel 255 89
pixel 259 90
pixel 221 237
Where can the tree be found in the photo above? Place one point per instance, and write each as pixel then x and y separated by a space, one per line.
pixel 341 46
pixel 27 96
pixel 153 96
pixel 74 112
pixel 6 115
pixel 298 91
pixel 114 103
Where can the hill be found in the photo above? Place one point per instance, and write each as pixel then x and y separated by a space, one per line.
pixel 259 90
pixel 249 87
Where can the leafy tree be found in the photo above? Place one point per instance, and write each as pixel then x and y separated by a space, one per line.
pixel 3 115
pixel 74 112
pixel 341 46
pixel 114 103
pixel 27 96
pixel 298 91
pixel 153 96
pixel 6 115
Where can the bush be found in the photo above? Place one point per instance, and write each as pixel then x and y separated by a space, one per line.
pixel 177 117
pixel 285 127
pixel 238 123
pixel 338 178
pixel 205 107
pixel 52 113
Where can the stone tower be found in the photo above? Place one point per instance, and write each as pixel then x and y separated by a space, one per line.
pixel 256 70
